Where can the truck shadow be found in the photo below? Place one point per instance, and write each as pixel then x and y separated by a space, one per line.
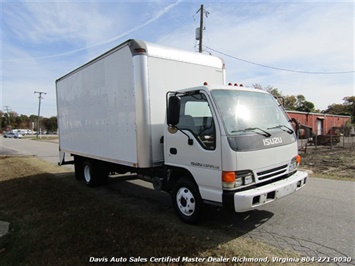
pixel 212 218
pixel 122 218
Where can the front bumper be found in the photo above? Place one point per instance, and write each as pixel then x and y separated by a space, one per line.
pixel 253 198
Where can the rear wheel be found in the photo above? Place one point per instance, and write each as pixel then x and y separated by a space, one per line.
pixel 93 173
pixel 187 201
pixel 78 165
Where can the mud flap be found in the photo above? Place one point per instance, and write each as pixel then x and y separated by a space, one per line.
pixel 61 157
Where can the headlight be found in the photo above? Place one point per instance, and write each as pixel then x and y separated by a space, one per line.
pixel 233 180
pixel 295 162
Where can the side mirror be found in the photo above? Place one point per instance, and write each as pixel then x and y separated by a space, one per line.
pixel 173 113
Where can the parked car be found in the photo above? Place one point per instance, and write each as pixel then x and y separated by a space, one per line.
pixel 12 135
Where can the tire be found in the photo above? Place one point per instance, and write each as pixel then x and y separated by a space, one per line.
pixel 90 173
pixel 187 201
pixel 78 166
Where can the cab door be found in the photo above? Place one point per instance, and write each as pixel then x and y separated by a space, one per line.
pixel 195 145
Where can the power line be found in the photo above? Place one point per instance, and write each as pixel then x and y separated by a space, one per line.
pixel 282 69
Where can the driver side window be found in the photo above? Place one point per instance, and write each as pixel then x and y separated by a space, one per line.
pixel 196 117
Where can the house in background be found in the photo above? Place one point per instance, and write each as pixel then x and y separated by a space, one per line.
pixel 319 123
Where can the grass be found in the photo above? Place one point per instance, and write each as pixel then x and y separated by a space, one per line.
pixel 56 221
pixel 43 137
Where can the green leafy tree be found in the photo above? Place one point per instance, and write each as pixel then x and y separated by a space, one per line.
pixel 290 102
pixel 337 109
pixel 11 119
pixel 21 121
pixel 349 102
pixel 274 91
pixel 2 120
pixel 347 108
pixel 50 123
pixel 303 105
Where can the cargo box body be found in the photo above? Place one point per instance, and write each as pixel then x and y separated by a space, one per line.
pixel 113 108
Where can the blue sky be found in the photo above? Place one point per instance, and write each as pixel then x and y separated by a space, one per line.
pixel 43 40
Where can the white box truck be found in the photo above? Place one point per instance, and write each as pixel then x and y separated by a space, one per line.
pixel 146 109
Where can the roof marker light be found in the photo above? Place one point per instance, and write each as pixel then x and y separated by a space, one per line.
pixel 140 51
pixel 205 83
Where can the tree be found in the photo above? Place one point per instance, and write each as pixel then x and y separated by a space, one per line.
pixel 21 121
pixel 50 123
pixel 303 105
pixel 347 108
pixel 274 91
pixel 12 120
pixel 290 102
pixel 2 120
pixel 9 119
pixel 349 102
pixel 269 89
pixel 337 109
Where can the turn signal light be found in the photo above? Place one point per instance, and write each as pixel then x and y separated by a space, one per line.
pixel 298 159
pixel 228 179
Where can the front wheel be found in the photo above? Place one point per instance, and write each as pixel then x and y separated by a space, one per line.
pixel 187 201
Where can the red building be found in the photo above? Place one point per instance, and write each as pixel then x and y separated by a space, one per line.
pixel 318 122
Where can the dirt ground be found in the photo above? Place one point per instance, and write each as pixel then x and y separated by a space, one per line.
pixel 46 207
pixel 333 162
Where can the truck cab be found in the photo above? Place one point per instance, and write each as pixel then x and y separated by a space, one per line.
pixel 230 146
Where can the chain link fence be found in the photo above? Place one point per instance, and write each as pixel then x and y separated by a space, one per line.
pixel 326 142
pixel 337 137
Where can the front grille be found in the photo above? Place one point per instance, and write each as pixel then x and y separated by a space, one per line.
pixel 272 172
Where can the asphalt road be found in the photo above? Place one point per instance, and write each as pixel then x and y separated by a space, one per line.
pixel 317 221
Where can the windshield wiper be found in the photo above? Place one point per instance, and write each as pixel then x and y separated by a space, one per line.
pixel 265 133
pixel 289 130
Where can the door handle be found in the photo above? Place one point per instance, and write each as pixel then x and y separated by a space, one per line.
pixel 173 151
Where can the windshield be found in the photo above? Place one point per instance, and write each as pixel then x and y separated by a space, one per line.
pixel 248 112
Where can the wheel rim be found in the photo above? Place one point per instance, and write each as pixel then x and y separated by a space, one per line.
pixel 87 173
pixel 185 201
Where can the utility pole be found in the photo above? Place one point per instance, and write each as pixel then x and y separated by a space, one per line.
pixel 200 30
pixel 39 108
pixel 8 115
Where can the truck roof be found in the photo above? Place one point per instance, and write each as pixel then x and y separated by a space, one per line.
pixel 138 47
pixel 156 50
pixel 224 87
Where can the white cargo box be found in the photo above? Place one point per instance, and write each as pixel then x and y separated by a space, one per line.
pixel 113 108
